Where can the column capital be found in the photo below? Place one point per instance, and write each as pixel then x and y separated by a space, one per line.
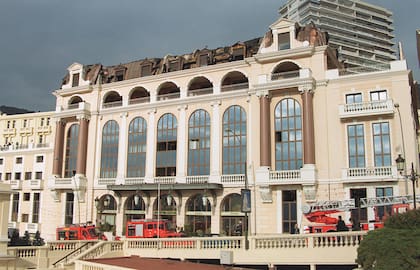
pixel 307 87
pixel 263 93
pixel 215 103
pixel 123 114
pixel 59 121
pixel 152 111
pixel 83 117
pixel 182 107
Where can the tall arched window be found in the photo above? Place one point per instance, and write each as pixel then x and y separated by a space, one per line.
pixel 234 140
pixel 166 145
pixel 109 151
pixel 288 136
pixel 136 152
pixel 199 143
pixel 71 150
pixel 135 208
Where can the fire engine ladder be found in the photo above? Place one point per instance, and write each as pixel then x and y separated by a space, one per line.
pixel 342 205
pixel 390 200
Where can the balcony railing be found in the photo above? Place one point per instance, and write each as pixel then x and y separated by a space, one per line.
pixel 168 96
pixel 165 180
pixel 199 92
pixel 139 100
pixel 197 179
pixel 106 181
pixel 16 184
pixel 35 184
pixel 281 176
pixel 377 107
pixel 233 178
pixel 112 104
pixel 134 180
pixel 285 75
pixel 233 87
pixel 375 173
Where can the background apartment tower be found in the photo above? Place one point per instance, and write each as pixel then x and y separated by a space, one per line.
pixel 361 32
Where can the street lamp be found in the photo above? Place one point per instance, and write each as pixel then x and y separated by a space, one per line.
pixel 245 194
pixel 412 176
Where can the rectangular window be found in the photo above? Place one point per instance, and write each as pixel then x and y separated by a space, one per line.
pixel 15 207
pixel 18 175
pixel 68 214
pixel 26 196
pixel 25 123
pixel 13 123
pixel 384 211
pixel 39 159
pixel 378 95
pixel 35 208
pixel 19 160
pixel 8 176
pixel 48 121
pixel 381 144
pixel 1 176
pixel 75 80
pixel 284 41
pixel 173 66
pixel 38 175
pixel 353 98
pixel 356 146
pixel 28 175
pixel 8 124
pixel 41 139
pixel 238 54
pixel 1 161
pixel 25 217
pixel 42 122
pixel 289 210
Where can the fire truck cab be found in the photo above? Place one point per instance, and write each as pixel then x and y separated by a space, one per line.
pixel 151 228
pixel 86 231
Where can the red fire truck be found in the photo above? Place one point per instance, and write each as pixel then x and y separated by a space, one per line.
pixel 319 213
pixel 149 228
pixel 85 231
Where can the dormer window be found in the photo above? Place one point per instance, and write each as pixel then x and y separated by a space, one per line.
pixel 75 80
pixel 238 53
pixel 146 70
pixel 203 60
pixel 119 75
pixel 173 65
pixel 284 41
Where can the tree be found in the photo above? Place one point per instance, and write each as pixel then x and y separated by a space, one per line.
pixel 396 246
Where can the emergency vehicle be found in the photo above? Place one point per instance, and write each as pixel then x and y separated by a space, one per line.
pixel 318 213
pixel 148 228
pixel 84 231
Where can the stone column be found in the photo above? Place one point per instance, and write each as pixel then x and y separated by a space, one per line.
pixel 151 147
pixel 58 148
pixel 308 125
pixel 215 142
pixel 82 145
pixel 265 131
pixel 122 149
pixel 181 142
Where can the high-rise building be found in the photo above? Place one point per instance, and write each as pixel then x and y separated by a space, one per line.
pixel 361 32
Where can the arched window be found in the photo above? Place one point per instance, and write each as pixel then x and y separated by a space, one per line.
pixel 231 215
pixel 107 211
pixel 166 145
pixel 109 151
pixel 234 140
pixel 198 216
pixel 288 136
pixel 136 152
pixel 165 208
pixel 234 80
pixel 199 143
pixel 71 150
pixel 135 208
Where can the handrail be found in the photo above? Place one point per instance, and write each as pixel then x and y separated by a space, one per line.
pixel 71 253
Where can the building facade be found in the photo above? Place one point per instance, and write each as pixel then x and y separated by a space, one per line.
pixel 361 32
pixel 181 137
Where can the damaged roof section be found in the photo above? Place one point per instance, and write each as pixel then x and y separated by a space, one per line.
pixel 152 66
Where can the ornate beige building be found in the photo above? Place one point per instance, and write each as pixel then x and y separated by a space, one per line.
pixel 179 137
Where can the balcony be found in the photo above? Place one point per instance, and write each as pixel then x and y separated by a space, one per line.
pixel 379 107
pixel 32 227
pixel 285 177
pixel 199 92
pixel 16 184
pixel 234 87
pixel 36 184
pixel 43 129
pixel 370 174
pixel 168 96
pixel 9 131
pixel 26 130
pixel 112 104
pixel 139 100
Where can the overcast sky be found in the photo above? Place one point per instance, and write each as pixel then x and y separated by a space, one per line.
pixel 39 39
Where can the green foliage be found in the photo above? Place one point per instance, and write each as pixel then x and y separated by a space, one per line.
pixel 397 246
